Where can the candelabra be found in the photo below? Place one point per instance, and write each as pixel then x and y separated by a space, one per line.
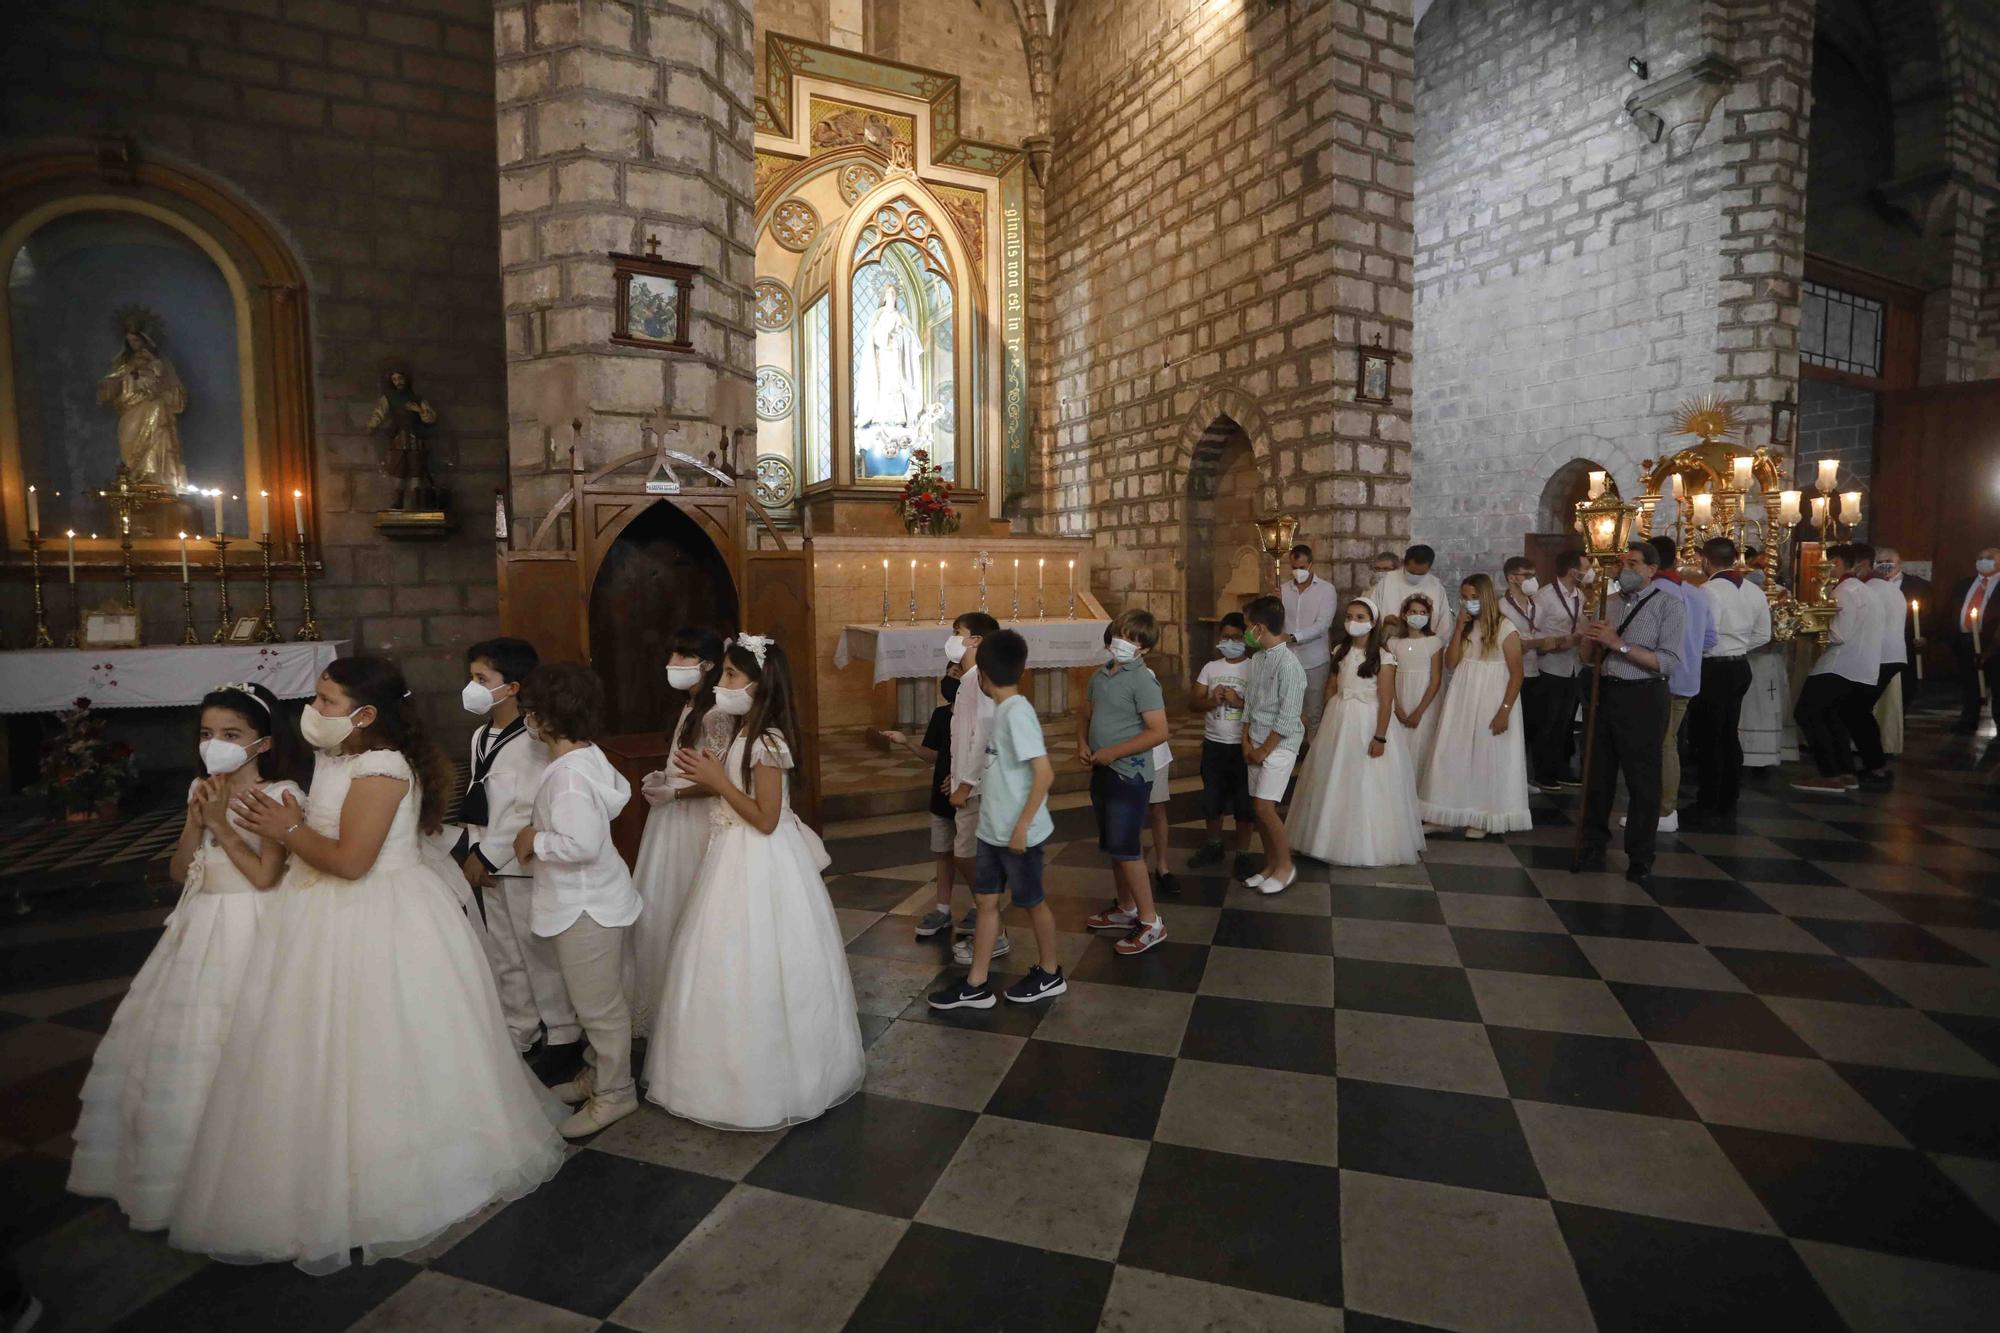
pixel 221 545
pixel 309 628
pixel 188 636
pixel 267 632
pixel 41 639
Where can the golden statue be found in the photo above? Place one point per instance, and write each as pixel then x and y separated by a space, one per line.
pixel 143 388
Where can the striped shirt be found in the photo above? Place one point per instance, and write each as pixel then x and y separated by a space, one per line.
pixel 1658 621
pixel 1276 698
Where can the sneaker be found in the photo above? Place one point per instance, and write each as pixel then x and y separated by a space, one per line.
pixel 1820 786
pixel 968 921
pixel 1210 853
pixel 1037 985
pixel 961 950
pixel 595 1115
pixel 1113 918
pixel 1244 866
pixel 1166 884
pixel 1142 938
pixel 1670 822
pixel 1880 780
pixel 934 921
pixel 964 995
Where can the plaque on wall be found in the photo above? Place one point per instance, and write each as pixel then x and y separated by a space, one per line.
pixel 652 300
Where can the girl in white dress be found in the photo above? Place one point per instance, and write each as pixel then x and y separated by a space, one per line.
pixel 1356 804
pixel 149 1082
pixel 1478 773
pixel 678 825
pixel 370 1095
pixel 1418 650
pixel 756 1028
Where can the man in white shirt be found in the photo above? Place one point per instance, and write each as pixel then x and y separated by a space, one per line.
pixel 1742 619
pixel 1973 607
pixel 1911 590
pixel 1392 588
pixel 1892 619
pixel 1310 606
pixel 1836 704
pixel 1560 614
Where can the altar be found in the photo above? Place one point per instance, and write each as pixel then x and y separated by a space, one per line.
pixel 48 680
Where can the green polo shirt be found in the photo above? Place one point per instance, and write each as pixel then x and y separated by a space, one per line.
pixel 1120 697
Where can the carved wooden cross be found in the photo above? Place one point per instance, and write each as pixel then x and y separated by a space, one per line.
pixel 652 247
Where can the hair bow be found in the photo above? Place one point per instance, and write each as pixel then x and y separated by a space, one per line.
pixel 754 644
pixel 243 688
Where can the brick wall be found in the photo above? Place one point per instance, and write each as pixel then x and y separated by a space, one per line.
pixel 364 131
pixel 1228 215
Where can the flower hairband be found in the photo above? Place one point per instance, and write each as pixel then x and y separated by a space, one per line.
pixel 243 688
pixel 754 644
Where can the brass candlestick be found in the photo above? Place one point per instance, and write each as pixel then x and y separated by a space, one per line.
pixel 41 639
pixel 125 553
pixel 309 628
pixel 940 619
pixel 981 562
pixel 188 636
pixel 221 545
pixel 913 606
pixel 267 632
pixel 70 640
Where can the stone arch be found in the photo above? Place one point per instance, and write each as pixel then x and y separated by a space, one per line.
pixel 1555 511
pixel 1222 403
pixel 1222 432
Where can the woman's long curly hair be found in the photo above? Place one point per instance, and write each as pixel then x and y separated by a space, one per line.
pixel 378 683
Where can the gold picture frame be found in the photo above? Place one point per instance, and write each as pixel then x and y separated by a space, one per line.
pixel 113 625
pixel 245 629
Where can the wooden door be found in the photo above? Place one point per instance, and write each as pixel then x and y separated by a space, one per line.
pixel 777 600
pixel 1937 488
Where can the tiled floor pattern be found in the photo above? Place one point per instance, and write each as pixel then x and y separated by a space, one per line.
pixel 1482 1093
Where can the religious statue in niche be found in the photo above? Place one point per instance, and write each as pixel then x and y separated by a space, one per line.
pixel 143 388
pixel 405 420
pixel 890 417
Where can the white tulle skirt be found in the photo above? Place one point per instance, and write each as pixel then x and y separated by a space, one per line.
pixel 369 1096
pixel 756 1027
pixel 1350 809
pixel 1476 779
pixel 670 856
pixel 149 1082
pixel 1417 740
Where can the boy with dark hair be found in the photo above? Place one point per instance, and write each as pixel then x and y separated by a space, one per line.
pixel 1225 778
pixel 971 715
pixel 1126 719
pixel 1013 824
pixel 506 768
pixel 1272 730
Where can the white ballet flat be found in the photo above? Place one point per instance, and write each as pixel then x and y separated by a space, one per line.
pixel 1267 885
pixel 1252 881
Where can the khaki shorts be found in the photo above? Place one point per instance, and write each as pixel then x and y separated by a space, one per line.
pixel 944 834
pixel 965 846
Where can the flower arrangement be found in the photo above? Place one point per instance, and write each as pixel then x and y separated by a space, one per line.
pixel 82 773
pixel 926 502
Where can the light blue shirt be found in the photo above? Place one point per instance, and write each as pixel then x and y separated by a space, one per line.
pixel 1685 681
pixel 1013 743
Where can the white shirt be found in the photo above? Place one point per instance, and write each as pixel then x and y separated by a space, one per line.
pixel 510 795
pixel 1854 647
pixel 1742 616
pixel 1890 613
pixel 1559 610
pixel 1525 616
pixel 1224 722
pixel 1309 613
pixel 1398 585
pixel 1983 585
pixel 577 870
pixel 971 723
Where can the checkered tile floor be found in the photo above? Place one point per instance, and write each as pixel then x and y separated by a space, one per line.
pixel 1482 1093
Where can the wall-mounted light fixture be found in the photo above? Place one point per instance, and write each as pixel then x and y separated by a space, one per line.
pixel 1637 66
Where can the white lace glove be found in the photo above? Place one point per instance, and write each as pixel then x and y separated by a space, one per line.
pixel 657 787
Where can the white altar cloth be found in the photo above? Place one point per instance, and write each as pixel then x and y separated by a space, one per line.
pixel 47 680
pixel 908 652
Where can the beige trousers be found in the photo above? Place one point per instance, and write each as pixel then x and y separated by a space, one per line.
pixel 592 958
pixel 1670 759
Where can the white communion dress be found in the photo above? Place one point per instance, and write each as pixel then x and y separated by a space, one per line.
pixel 370 1095
pixel 670 855
pixel 1416 657
pixel 1476 779
pixel 148 1087
pixel 756 1028
pixel 1351 809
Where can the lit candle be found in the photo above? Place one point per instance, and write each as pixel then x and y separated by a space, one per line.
pixel 1820 505
pixel 264 514
pixel 1850 506
pixel 1675 486
pixel 184 557
pixel 940 580
pixel 71 536
pixel 885 580
pixel 1704 508
pixel 1017 573
pixel 1039 566
pixel 1597 483
pixel 216 496
pixel 299 513
pixel 1072 576
pixel 34 513
pixel 1829 473
pixel 913 578
pixel 1788 507
pixel 1914 630
pixel 1740 473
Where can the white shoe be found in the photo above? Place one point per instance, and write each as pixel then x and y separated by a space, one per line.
pixel 1269 884
pixel 596 1114
pixel 961 950
pixel 579 1089
pixel 1670 822
pixel 1252 881
pixel 1475 834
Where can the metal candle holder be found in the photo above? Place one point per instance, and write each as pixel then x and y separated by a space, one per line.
pixel 125 553
pixel 221 545
pixel 1071 613
pixel 913 606
pixel 70 640
pixel 41 639
pixel 188 636
pixel 309 628
pixel 267 632
pixel 980 562
pixel 940 619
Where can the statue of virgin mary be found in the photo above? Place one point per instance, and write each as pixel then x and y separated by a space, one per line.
pixel 146 393
pixel 888 372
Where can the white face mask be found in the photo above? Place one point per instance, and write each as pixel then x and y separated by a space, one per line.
pixel 1302 576
pixel 1531 585
pixel 735 703
pixel 1472 605
pixel 1358 629
pixel 222 757
pixel 1984 565
pixel 1416 620
pixel 323 732
pixel 477 698
pixel 1588 575
pixel 1123 650
pixel 1231 648
pixel 684 678
pixel 954 649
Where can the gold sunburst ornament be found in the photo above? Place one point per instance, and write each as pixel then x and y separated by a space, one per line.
pixel 1710 416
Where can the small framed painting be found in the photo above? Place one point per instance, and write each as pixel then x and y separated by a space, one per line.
pixel 652 300
pixel 245 629
pixel 1371 373
pixel 114 625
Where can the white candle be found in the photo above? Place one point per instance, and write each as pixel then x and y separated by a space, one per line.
pixel 1039 566
pixel 1704 507
pixel 299 514
pixel 1788 507
pixel 940 580
pixel 1820 505
pixel 34 513
pixel 1072 576
pixel 1850 506
pixel 264 514
pixel 1829 473
pixel 1914 630
pixel 1017 573
pixel 184 557
pixel 1597 483
pixel 885 579
pixel 1674 485
pixel 913 578
pixel 71 537
pixel 1740 473
pixel 216 496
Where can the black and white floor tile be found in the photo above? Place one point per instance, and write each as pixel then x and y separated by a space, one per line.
pixel 1482 1093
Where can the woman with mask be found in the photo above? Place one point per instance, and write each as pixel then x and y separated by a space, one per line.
pixel 149 1081
pixel 1356 803
pixel 677 824
pixel 1478 774
pixel 1418 650
pixel 369 1096
pixel 757 1027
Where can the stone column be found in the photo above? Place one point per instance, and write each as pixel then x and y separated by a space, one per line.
pixel 621 120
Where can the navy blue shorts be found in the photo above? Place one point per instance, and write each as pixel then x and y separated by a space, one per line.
pixel 1121 805
pixel 999 870
pixel 1225 782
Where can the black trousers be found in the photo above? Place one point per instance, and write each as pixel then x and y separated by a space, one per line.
pixel 1631 718
pixel 1711 728
pixel 1550 716
pixel 1824 712
pixel 1971 706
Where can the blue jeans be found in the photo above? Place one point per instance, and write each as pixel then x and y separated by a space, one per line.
pixel 1121 805
pixel 998 870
